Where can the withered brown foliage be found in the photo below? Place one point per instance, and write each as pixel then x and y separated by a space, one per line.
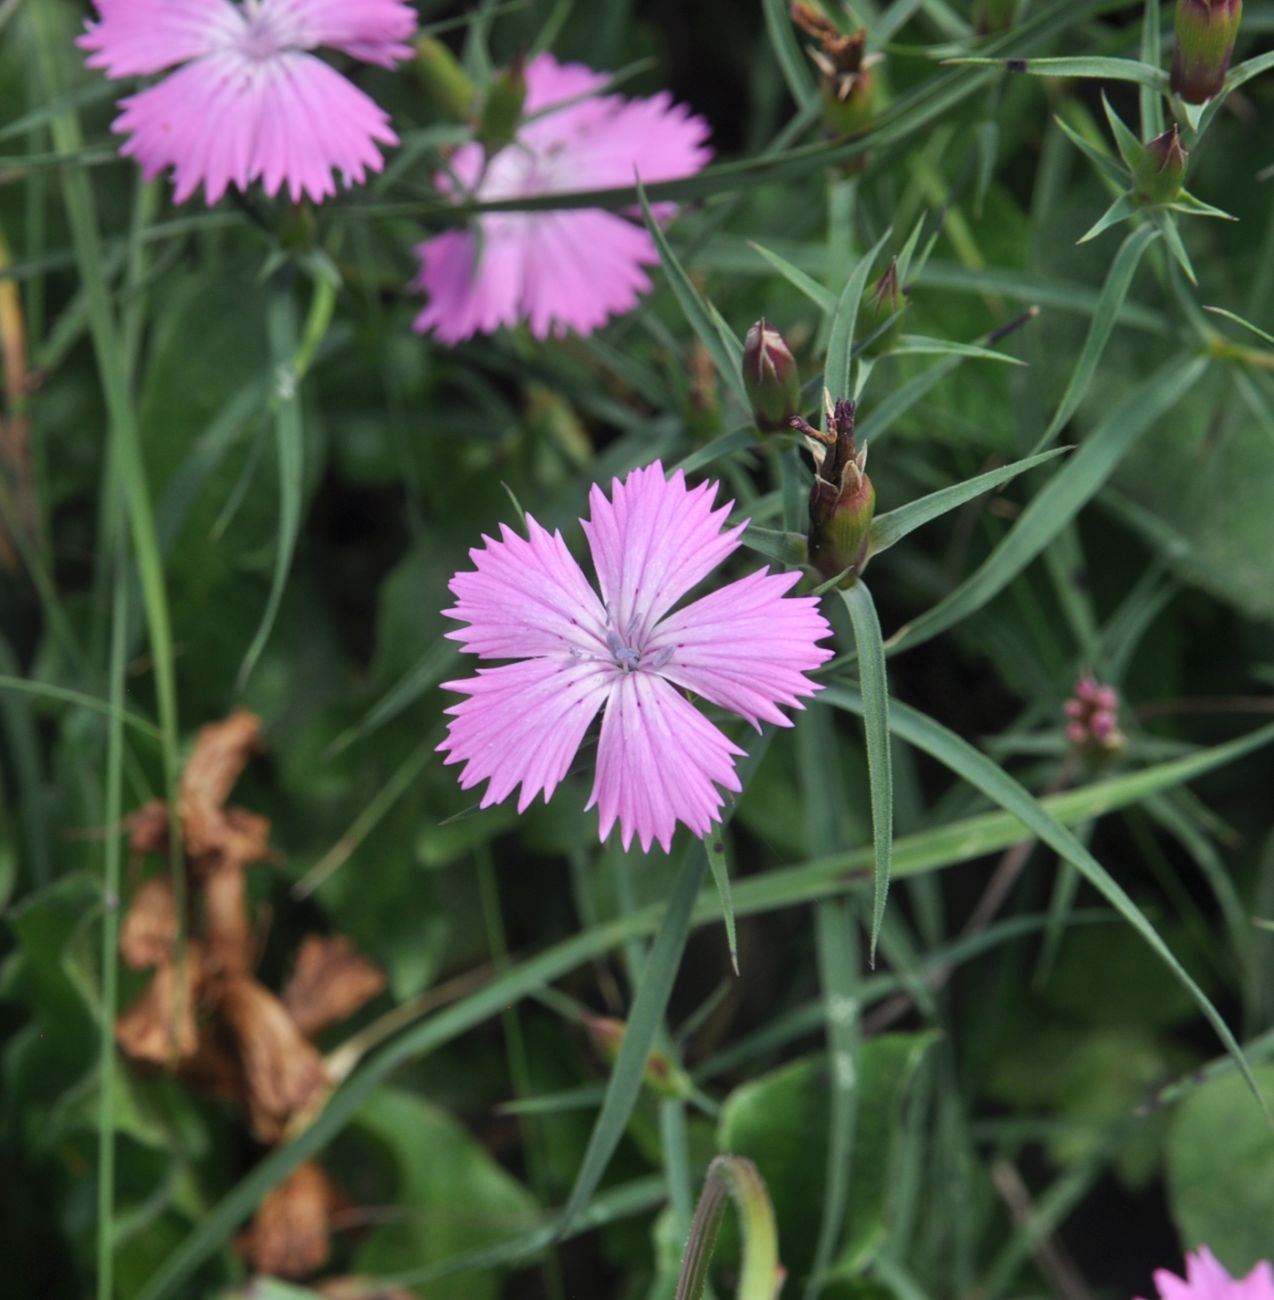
pixel 207 1019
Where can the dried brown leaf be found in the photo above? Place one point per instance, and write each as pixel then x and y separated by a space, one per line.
pixel 283 1073
pixel 330 981
pixel 160 1026
pixel 150 925
pixel 290 1234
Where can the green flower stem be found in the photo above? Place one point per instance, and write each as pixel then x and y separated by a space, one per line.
pixel 761 1275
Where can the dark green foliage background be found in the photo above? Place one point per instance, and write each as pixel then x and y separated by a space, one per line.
pixel 1061 1060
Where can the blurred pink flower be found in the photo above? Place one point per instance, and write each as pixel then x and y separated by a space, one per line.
pixel 248 100
pixel 745 647
pixel 569 269
pixel 1206 1279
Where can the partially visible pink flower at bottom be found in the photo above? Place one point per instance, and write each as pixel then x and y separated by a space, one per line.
pixel 1207 1279
pixel 569 270
pixel 627 654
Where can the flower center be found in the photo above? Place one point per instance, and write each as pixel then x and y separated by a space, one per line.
pixel 628 651
pixel 263 36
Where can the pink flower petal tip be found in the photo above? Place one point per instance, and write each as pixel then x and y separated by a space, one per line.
pixel 559 271
pixel 1207 1279
pixel 628 653
pixel 246 98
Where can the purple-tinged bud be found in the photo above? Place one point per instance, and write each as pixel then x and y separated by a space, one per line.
pixel 502 113
pixel 444 80
pixel 842 500
pixel 1206 30
pixel 1160 172
pixel 846 81
pixel 1092 725
pixel 994 16
pixel 880 308
pixel 770 376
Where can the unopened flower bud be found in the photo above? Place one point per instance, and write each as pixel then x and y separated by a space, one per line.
pixel 1092 723
pixel 846 81
pixel 1160 171
pixel 502 113
pixel 882 308
pixel 770 377
pixel 842 500
pixel 1205 41
pixel 662 1075
pixel 994 15
pixel 444 80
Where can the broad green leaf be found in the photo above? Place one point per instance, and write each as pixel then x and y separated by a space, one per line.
pixel 1221 1172
pixel 455 1198
pixel 780 1123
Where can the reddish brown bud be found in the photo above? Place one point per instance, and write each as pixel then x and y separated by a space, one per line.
pixel 842 500
pixel 770 377
pixel 1206 31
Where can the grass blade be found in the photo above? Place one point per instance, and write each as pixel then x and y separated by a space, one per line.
pixel 724 349
pixel 653 992
pixel 875 687
pixel 721 878
pixel 787 52
pixel 1114 291
pixel 1059 501
pixel 798 279
pixel 980 772
pixel 1083 65
pixel 840 342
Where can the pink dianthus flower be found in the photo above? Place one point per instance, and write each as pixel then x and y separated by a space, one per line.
pixel 570 269
pixel 248 99
pixel 1207 1279
pixel 628 654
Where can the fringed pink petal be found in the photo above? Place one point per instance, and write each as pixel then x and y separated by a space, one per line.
pixel 522 724
pixel 526 596
pixel 375 31
pixel 659 762
pixel 652 542
pixel 746 647
pixel 474 284
pixel 137 37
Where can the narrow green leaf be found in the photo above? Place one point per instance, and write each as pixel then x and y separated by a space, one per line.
pixel 1104 163
pixel 290 359
pixel 840 342
pixel 792 62
pixel 724 349
pixel 715 846
pixel 1083 65
pixel 1130 148
pixel 1123 208
pixel 889 529
pixel 43 690
pixel 916 345
pixel 1195 207
pixel 625 1084
pixel 790 549
pixel 979 771
pixel 874 679
pixel 1247 324
pixel 1151 52
pixel 1114 291
pixel 809 286
pixel 1060 499
pixel 1166 225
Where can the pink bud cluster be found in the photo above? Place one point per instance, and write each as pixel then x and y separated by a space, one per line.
pixel 1091 716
